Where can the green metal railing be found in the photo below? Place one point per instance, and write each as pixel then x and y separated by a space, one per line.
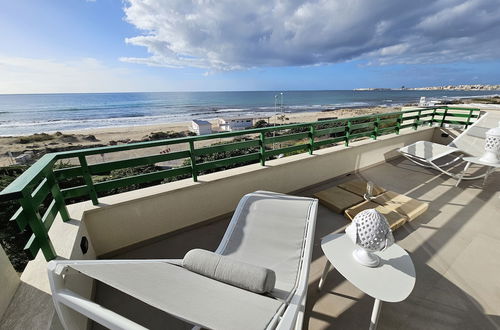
pixel 38 188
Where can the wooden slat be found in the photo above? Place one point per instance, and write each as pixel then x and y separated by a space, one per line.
pixel 328 141
pixel 332 130
pixel 20 218
pixel 32 246
pixel 358 135
pixel 49 215
pixel 226 147
pixel 74 192
pixel 41 192
pixel 132 162
pixel 142 178
pixel 67 173
pixel 228 161
pixel 275 152
pixel 362 125
pixel 288 137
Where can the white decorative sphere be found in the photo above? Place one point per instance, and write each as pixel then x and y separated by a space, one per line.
pixel 370 230
pixel 492 146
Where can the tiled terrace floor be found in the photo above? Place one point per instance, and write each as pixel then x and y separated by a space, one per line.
pixel 455 247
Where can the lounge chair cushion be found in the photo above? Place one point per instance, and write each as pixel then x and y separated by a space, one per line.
pixel 186 295
pixel 269 231
pixel 227 270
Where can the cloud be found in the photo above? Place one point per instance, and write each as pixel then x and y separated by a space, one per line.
pixel 229 35
pixel 33 75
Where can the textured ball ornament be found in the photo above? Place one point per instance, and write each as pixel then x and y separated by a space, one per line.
pixel 492 146
pixel 370 231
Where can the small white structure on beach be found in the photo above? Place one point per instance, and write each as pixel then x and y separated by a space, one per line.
pixel 234 124
pixel 201 127
pixel 424 103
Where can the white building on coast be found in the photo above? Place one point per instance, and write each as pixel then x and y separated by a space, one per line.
pixel 201 127
pixel 234 124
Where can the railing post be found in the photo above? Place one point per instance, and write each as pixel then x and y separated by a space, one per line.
pixel 399 121
pixel 37 226
pixel 311 140
pixel 433 116
pixel 192 156
pixel 415 125
pixel 376 127
pixel 444 117
pixel 58 197
pixel 88 179
pixel 468 119
pixel 262 145
pixel 347 133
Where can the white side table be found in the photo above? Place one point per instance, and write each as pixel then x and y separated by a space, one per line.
pixel 476 160
pixel 392 281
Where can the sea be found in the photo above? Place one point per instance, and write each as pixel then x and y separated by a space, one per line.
pixel 24 114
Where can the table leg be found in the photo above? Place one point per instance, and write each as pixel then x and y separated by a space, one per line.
pixel 375 313
pixel 328 267
pixel 488 172
pixel 463 173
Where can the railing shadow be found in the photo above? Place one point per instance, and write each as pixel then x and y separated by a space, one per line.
pixel 422 304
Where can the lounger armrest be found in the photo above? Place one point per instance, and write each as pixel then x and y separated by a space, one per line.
pixel 293 316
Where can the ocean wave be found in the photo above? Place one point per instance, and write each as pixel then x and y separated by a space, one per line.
pixel 233 110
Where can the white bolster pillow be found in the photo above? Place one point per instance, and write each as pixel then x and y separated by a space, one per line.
pixel 224 269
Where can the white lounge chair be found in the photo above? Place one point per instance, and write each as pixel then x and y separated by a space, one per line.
pixel 470 142
pixel 270 230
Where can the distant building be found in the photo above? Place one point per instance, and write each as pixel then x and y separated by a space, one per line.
pixel 201 127
pixel 234 124
pixel 424 103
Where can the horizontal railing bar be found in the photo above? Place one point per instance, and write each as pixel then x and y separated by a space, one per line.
pixel 68 173
pixel 451 114
pixel 141 178
pixel 20 218
pixel 460 108
pixel 50 215
pixel 28 178
pixel 288 137
pixel 32 245
pixel 332 130
pixel 417 116
pixel 286 150
pixel 384 129
pixel 152 159
pixel 406 125
pixel 226 147
pixel 228 161
pixel 362 125
pixel 40 193
pixel 329 141
pixel 389 120
pixel 74 192
pixel 358 135
pixel 455 122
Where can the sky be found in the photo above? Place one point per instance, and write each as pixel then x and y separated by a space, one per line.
pixel 68 46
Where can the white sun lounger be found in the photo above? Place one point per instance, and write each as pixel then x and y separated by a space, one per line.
pixel 270 230
pixel 470 142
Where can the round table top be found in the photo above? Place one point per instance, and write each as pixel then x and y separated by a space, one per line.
pixel 477 160
pixel 392 281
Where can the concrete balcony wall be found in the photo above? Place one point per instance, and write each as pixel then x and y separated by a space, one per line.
pixel 133 217
pixel 31 307
pixel 9 279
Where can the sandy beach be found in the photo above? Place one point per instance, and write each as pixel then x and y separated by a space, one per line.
pixel 119 135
